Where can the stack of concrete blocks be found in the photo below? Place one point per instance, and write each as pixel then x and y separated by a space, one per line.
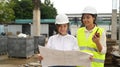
pixel 3 45
pixel 20 47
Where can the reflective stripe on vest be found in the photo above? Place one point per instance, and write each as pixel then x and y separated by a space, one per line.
pixel 98 60
pixel 88 48
pixel 92 49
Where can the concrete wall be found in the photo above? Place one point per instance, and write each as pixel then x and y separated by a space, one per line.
pixel 44 29
pixel 106 27
pixel 1 28
pixel 14 29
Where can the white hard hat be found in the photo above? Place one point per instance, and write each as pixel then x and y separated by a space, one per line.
pixel 61 19
pixel 89 10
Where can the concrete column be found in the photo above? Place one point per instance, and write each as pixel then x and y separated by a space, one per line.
pixel 36 22
pixel 36 18
pixel 119 26
pixel 114 24
pixel 119 20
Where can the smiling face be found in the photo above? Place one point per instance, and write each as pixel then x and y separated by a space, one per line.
pixel 88 20
pixel 62 29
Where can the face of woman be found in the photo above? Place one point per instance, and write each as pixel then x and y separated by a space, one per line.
pixel 62 29
pixel 88 20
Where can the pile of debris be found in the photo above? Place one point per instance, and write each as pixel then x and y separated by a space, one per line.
pixel 110 44
pixel 116 55
pixel 31 64
pixel 113 53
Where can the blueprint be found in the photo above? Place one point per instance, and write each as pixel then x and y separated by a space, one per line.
pixel 52 57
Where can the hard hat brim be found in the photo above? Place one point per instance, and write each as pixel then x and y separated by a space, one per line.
pixel 61 22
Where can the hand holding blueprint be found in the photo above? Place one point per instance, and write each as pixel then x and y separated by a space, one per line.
pixel 52 57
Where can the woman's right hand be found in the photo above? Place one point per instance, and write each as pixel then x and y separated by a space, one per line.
pixel 91 58
pixel 40 58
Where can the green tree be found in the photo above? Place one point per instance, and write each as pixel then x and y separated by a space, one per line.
pixel 24 9
pixel 6 12
pixel 48 11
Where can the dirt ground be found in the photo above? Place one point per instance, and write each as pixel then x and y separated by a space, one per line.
pixel 5 61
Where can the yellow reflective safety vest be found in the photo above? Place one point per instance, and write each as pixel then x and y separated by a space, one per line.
pixel 87 45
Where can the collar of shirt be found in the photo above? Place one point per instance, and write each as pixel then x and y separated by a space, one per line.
pixel 90 31
pixel 61 35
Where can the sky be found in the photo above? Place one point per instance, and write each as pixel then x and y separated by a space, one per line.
pixel 76 6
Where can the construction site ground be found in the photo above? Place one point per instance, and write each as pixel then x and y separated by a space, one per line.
pixel 6 61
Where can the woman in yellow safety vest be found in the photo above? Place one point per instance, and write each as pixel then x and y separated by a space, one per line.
pixel 91 38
